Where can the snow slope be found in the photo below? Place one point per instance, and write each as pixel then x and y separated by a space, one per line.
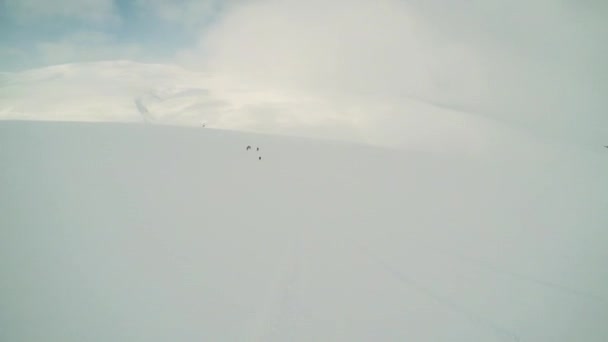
pixel 124 232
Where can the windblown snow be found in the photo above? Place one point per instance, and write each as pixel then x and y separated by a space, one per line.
pixel 125 232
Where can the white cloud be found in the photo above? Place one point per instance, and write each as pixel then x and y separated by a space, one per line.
pixel 532 64
pixel 85 46
pixel 380 49
pixel 364 63
pixel 92 11
pixel 542 57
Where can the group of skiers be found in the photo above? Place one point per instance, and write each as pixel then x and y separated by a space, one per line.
pixel 257 149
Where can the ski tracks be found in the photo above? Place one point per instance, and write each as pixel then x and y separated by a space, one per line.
pixel 277 308
pixel 499 331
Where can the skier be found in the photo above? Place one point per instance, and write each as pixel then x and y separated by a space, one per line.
pixel 248 147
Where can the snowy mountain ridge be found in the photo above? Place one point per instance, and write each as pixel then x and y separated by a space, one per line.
pixel 123 91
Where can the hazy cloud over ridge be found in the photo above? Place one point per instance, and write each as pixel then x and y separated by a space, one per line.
pixel 534 64
pixel 538 64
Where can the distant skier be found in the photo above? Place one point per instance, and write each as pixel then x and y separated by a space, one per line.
pixel 248 148
pixel 259 158
pixel 257 149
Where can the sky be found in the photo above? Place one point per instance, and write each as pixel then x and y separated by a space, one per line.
pixel 36 33
pixel 538 65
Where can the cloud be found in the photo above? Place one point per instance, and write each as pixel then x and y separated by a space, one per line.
pixel 368 67
pixel 188 14
pixel 535 65
pixel 85 46
pixel 542 59
pixel 12 57
pixel 378 68
pixel 375 49
pixel 92 11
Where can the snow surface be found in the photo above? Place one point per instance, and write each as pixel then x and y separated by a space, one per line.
pixel 126 232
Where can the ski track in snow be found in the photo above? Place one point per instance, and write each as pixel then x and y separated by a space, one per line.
pixel 288 282
pixel 501 333
pixel 487 267
pixel 275 310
